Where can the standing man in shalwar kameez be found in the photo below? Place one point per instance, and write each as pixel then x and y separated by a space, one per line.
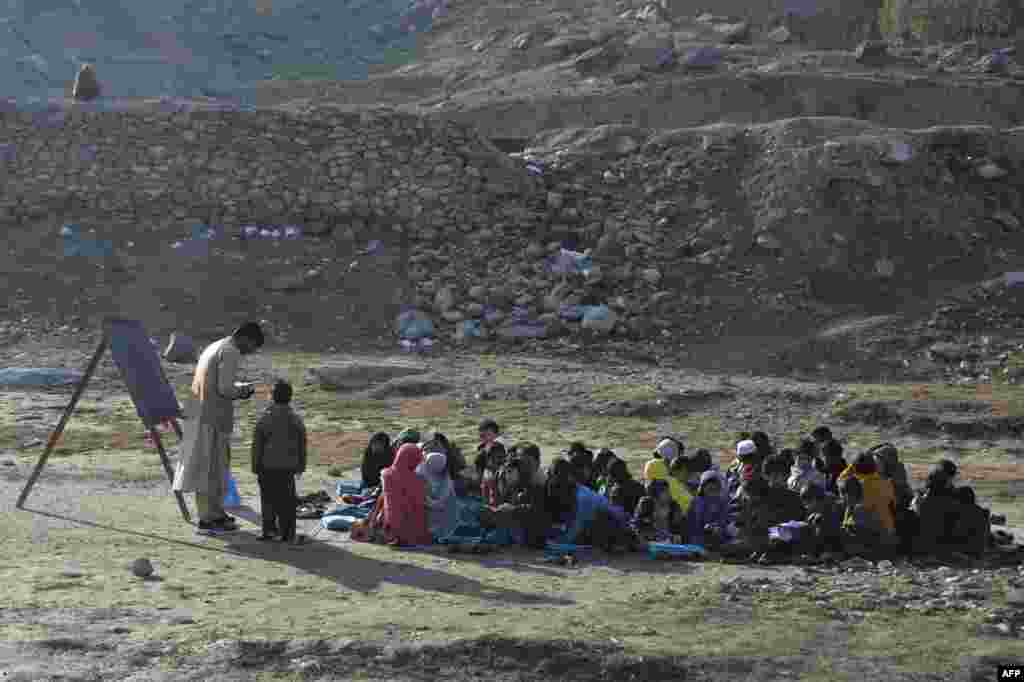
pixel 204 466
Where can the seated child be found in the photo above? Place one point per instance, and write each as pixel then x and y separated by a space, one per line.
pixel 803 472
pixel 603 458
pixel 403 501
pixel 278 454
pixel 947 525
pixel 658 517
pixel 377 457
pixel 708 520
pixel 788 456
pixel 488 464
pixel 583 462
pixel 863 533
pixel 832 465
pixel 521 507
pixel 680 470
pixel 442 509
pixel 623 487
pixel 889 466
pixel 879 494
pixel 657 470
pixel 581 514
pixel 744 469
pixel 824 522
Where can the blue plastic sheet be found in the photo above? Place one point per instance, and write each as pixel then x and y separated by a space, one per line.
pixel 76 245
pixel 472 329
pixel 137 357
pixel 654 549
pixel 349 487
pixel 38 377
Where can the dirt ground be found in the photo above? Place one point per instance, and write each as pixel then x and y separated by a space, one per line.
pixel 233 608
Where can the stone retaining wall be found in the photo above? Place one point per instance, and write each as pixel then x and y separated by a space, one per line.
pixel 319 168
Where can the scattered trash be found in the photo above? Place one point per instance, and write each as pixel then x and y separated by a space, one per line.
pixel 414 325
pixel 76 245
pixel 30 376
pixel 703 58
pixel 1014 279
pixel 535 168
pixel 472 329
pixel 666 57
pixel 88 153
pixel 374 247
pixel 8 152
pixel 571 313
pixel 567 262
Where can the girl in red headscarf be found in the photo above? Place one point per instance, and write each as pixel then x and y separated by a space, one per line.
pixel 404 495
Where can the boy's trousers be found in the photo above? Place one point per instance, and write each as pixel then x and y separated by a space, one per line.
pixel 277 502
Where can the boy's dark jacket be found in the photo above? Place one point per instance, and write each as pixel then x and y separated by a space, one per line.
pixel 279 442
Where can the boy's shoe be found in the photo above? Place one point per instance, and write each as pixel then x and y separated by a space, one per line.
pixel 218 526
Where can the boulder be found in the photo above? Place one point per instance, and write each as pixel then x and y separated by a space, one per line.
pixel 181 349
pixel 355 376
pixel 87 87
pixel 445 299
pixel 409 388
pixel 648 50
pixel 453 316
pixel 603 325
pixel 780 34
pixel 734 33
pixel 597 60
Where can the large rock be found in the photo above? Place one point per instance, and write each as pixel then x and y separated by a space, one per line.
pixel 87 87
pixel 648 50
pixel 935 21
pixel 409 388
pixel 181 349
pixel 355 376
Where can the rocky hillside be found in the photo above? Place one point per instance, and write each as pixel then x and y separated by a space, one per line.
pixel 680 184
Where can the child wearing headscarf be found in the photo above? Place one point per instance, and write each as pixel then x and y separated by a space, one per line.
pixel 622 489
pixel 603 458
pixel 824 522
pixel 404 500
pixel 658 517
pixel 488 464
pixel 583 462
pixel 377 457
pixel 803 472
pixel 708 519
pixel 863 531
pixel 442 509
pixel 744 469
pixel 949 523
pixel 657 470
pixel 522 504
pixel 879 494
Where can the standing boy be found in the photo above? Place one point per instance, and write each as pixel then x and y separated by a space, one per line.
pixel 278 456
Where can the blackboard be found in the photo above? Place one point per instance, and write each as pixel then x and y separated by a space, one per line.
pixel 137 359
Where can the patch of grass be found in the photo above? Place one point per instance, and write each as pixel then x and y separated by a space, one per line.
pixel 612 392
pixel 304 72
pixel 1006 399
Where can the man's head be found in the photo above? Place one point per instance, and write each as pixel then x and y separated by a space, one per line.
pixel 488 431
pixel 248 338
pixel 583 462
pixel 282 393
pixel 822 434
pixel 832 452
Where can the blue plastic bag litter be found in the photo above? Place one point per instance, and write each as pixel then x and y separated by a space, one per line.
pixel 492 314
pixel 595 313
pixel 414 325
pixel 534 168
pixel 1015 279
pixel 231 497
pixel 36 376
pixel 703 58
pixel 472 329
pixel 567 262
pixel 523 331
pixel 77 245
pixel 572 313
pixel 8 152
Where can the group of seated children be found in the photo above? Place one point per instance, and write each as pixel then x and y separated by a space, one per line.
pixel 805 502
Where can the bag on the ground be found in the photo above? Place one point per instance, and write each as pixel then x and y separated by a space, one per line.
pixel 231 497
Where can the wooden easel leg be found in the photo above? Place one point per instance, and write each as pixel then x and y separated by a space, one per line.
pixel 170 474
pixel 59 431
